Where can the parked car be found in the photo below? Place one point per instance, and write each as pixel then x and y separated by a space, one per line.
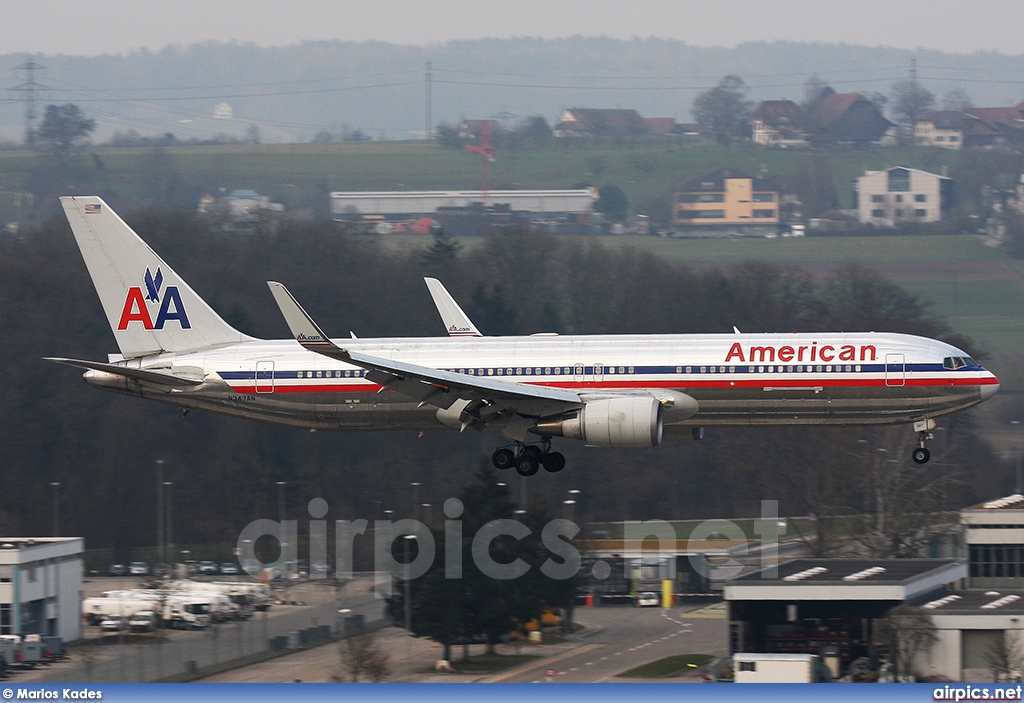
pixel 648 599
pixel 144 621
pixel 118 570
pixel 229 568
pixel 114 623
pixel 208 568
pixel 138 568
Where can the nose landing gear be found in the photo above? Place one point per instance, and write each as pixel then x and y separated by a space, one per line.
pixel 923 428
pixel 528 458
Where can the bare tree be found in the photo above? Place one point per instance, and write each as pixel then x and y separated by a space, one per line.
pixel 902 500
pixel 1005 656
pixel 910 100
pixel 909 632
pixel 363 659
pixel 956 99
pixel 724 109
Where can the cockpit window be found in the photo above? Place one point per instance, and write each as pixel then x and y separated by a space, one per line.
pixel 958 362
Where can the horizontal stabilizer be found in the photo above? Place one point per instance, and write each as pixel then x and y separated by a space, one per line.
pixel 159 377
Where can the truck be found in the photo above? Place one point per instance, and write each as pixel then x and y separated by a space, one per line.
pixel 750 667
pixel 177 609
pixel 95 610
pixel 246 596
pixel 188 612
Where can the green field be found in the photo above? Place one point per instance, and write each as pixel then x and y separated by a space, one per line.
pixel 296 174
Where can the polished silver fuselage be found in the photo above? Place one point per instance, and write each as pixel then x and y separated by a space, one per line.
pixel 737 380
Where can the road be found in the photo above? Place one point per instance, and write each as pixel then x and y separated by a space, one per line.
pixel 614 639
pixel 623 638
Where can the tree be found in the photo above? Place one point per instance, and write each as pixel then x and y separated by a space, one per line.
pixel 63 127
pixel 910 100
pixel 814 91
pixel 253 135
pixel 957 100
pixel 447 135
pixel 723 109
pixel 612 201
pixel 450 610
pixel 1005 655
pixel 909 632
pixel 363 658
pixel 536 128
pixel 440 256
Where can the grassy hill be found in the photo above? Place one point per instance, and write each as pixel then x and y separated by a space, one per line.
pixel 299 174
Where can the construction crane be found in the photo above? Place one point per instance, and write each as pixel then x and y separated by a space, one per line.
pixel 486 151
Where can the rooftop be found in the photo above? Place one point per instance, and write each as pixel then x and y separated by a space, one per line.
pixel 977 602
pixel 848 571
pixel 1010 502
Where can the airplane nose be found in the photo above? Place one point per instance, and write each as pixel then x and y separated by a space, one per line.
pixel 990 389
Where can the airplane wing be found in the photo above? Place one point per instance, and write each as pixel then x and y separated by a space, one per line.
pixel 427 385
pixel 158 377
pixel 455 320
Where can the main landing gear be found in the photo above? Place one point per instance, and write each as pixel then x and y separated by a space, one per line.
pixel 528 458
pixel 923 428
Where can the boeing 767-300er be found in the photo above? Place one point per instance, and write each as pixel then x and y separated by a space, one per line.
pixel 607 390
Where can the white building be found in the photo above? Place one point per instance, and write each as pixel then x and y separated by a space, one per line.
pixel 901 195
pixel 41 586
pixel 994 542
pixel 402 204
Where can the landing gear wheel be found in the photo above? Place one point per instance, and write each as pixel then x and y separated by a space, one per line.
pixel 503 458
pixel 526 465
pixel 921 455
pixel 553 462
pixel 532 450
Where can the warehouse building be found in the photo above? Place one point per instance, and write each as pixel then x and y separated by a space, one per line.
pixel 41 586
pixel 405 205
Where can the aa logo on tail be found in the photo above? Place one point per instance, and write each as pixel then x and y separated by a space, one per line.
pixel 136 309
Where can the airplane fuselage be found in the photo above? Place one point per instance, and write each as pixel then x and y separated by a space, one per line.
pixel 738 380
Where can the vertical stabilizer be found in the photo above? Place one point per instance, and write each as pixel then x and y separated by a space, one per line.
pixel 149 307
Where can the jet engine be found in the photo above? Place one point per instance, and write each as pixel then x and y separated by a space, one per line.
pixel 610 422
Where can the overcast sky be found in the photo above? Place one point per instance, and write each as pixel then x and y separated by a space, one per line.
pixel 92 27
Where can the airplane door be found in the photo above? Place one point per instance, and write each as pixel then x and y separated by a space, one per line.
pixel 264 376
pixel 895 370
pixel 598 372
pixel 577 372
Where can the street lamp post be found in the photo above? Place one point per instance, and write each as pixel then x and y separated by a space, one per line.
pixel 169 515
pixel 569 505
pixel 1020 448
pixel 280 501
pixel 408 602
pixel 160 556
pixel 55 485
pixel 415 500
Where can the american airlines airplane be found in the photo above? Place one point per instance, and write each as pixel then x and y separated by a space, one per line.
pixel 606 390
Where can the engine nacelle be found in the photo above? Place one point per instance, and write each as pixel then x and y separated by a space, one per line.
pixel 611 422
